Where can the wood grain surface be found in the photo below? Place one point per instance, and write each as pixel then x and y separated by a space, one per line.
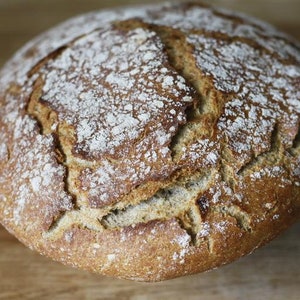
pixel 272 272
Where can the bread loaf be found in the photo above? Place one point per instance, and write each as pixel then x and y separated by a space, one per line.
pixel 151 142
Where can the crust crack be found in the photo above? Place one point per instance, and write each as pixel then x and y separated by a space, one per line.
pixel 204 112
pixel 47 120
pixel 270 157
pixel 178 198
pixel 243 220
pixel 167 202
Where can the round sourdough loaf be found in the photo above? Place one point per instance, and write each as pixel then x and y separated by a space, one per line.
pixel 151 142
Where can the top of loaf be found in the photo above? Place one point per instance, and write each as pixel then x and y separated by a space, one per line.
pixel 148 114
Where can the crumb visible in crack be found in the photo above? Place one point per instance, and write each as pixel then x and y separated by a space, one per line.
pixel 190 221
pixel 176 200
pixel 243 220
pixel 55 221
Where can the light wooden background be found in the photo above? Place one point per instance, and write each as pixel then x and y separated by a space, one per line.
pixel 271 273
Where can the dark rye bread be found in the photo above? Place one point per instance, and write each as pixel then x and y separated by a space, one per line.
pixel 152 142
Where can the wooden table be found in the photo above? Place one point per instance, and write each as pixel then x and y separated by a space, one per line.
pixel 272 272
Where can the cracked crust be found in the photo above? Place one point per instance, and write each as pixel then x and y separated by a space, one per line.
pixel 151 143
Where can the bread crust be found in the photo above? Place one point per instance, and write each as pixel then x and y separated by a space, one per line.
pixel 152 142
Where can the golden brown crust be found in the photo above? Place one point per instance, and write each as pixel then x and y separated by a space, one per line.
pixel 149 145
